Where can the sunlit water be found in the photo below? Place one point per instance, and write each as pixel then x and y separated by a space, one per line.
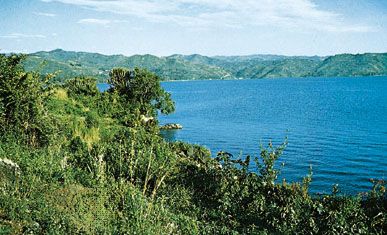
pixel 337 125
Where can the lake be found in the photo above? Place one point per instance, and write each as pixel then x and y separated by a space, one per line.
pixel 337 125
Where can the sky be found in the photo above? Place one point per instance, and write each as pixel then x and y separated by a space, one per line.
pixel 207 27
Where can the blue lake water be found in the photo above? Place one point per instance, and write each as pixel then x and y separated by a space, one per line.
pixel 337 125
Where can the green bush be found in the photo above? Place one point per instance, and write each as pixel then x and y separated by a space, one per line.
pixel 22 97
pixel 103 170
pixel 82 86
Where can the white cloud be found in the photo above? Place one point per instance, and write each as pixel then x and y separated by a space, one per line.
pixel 21 36
pixel 100 22
pixel 290 14
pixel 95 21
pixel 45 14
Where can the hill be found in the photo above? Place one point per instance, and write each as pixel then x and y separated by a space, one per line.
pixel 72 64
pixel 198 67
pixel 353 65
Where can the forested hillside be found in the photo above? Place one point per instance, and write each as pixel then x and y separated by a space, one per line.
pixel 72 64
pixel 353 65
pixel 198 67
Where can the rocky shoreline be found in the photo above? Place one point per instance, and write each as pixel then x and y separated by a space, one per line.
pixel 171 126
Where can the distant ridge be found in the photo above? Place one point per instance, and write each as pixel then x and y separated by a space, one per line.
pixel 199 67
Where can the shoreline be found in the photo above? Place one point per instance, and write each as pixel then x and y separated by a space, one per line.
pixel 273 78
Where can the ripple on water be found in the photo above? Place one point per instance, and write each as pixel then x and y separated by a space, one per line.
pixel 337 125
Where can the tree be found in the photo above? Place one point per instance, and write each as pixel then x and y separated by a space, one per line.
pixel 85 86
pixel 21 99
pixel 142 89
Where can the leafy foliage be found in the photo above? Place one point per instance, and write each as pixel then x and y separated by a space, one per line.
pixel 141 87
pixel 105 171
pixel 82 86
pixel 22 95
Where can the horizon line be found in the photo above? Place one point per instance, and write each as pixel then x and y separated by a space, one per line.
pixel 160 56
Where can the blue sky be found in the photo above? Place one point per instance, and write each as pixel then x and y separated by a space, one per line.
pixel 209 27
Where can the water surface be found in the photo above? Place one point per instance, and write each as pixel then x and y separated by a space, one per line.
pixel 337 125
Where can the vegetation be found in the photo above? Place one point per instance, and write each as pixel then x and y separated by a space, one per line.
pixel 74 160
pixel 194 67
pixel 72 64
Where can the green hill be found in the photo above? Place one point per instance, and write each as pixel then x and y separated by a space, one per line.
pixel 197 67
pixel 274 66
pixel 72 64
pixel 353 65
pixel 279 68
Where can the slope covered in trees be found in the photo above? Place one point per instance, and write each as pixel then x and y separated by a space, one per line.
pixel 353 65
pixel 195 67
pixel 72 64
pixel 74 160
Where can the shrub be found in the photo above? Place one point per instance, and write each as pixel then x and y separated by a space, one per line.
pixel 82 86
pixel 22 98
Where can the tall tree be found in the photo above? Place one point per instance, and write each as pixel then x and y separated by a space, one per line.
pixel 142 89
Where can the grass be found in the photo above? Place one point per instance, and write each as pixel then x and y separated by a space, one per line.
pixel 95 168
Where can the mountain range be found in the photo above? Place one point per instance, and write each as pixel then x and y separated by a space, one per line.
pixel 69 64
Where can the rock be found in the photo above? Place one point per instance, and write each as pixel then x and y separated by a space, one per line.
pixel 171 126
pixel 145 119
pixel 9 164
pixel 9 170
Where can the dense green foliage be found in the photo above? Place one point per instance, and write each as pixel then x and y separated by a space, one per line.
pixel 142 88
pixel 22 95
pixel 104 169
pixel 193 67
